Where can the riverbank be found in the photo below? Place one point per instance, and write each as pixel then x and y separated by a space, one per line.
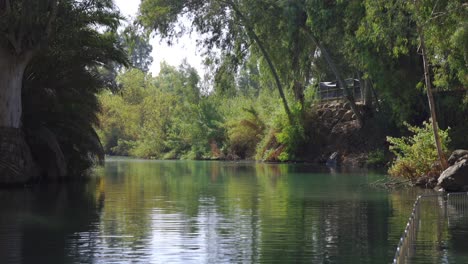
pixel 336 139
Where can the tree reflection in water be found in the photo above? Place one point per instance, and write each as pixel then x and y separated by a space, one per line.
pixel 205 212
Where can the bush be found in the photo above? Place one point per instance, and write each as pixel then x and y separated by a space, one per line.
pixel 245 133
pixel 292 136
pixel 376 159
pixel 416 155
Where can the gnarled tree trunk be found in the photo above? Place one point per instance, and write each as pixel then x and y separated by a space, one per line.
pixel 16 163
pixel 11 80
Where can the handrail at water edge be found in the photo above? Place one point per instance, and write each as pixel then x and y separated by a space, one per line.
pixel 406 247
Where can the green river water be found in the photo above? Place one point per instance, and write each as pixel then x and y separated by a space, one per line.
pixel 137 211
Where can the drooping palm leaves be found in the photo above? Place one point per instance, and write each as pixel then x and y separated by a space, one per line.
pixel 60 87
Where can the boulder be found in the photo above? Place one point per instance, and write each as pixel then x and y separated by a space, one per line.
pixel 327 114
pixel 348 116
pixel 427 182
pixel 347 106
pixel 232 156
pixel 333 160
pixel 457 156
pixel 340 113
pixel 455 177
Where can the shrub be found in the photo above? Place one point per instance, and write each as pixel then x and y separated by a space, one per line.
pixel 245 133
pixel 416 155
pixel 376 158
pixel 291 135
pixel 266 147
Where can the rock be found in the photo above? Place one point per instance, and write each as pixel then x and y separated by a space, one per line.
pixel 457 156
pixel 327 114
pixel 427 182
pixel 347 106
pixel 232 156
pixel 333 160
pixel 340 113
pixel 348 116
pixel 455 177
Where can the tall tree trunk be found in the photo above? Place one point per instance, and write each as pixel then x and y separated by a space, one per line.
pixel 275 75
pixel 367 96
pixel 298 89
pixel 16 163
pixel 266 56
pixel 11 81
pixel 430 97
pixel 366 92
pixel 348 95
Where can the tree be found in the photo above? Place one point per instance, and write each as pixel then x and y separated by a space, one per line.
pixel 339 78
pixel 439 26
pixel 226 24
pixel 136 43
pixel 26 27
pixel 430 97
pixel 326 28
pixel 50 52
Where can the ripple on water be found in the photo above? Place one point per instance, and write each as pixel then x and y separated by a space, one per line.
pixel 210 212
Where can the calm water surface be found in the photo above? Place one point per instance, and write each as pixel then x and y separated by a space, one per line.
pixel 206 212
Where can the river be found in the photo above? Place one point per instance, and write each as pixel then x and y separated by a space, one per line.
pixel 137 211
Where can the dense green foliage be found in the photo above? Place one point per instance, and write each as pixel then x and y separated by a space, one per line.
pixel 162 117
pixel 60 89
pixel 269 46
pixel 416 155
pixel 64 45
pixel 259 98
pixel 167 117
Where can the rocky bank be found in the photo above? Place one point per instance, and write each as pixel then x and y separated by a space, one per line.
pixel 455 177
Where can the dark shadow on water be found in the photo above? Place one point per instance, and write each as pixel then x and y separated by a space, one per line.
pixel 36 222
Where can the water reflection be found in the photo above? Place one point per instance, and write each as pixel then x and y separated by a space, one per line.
pixel 35 224
pixel 205 212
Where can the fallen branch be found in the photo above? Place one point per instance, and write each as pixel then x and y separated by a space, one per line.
pixel 390 183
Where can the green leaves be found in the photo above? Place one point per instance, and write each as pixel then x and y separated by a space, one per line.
pixel 61 82
pixel 161 117
pixel 137 46
pixel 416 155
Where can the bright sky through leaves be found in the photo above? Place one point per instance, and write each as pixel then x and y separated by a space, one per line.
pixel 185 47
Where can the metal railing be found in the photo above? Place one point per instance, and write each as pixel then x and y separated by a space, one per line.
pixel 330 94
pixel 453 206
pixel 459 202
pixel 405 248
pixel 457 208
